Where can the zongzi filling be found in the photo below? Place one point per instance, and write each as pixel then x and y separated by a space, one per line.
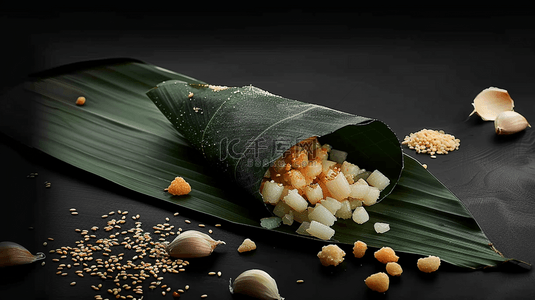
pixel 314 183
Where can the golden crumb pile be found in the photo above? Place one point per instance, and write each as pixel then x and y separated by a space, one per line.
pixel 432 142
pixel 429 264
pixel 359 249
pixel 386 255
pixel 247 245
pixel 331 255
pixel 179 187
pixel 393 269
pixel 378 282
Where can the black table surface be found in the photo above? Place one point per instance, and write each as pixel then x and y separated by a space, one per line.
pixel 411 68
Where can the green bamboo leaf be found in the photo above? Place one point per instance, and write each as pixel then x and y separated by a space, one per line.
pixel 122 136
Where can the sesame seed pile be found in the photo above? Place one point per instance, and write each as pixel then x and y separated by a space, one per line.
pixel 124 258
pixel 432 142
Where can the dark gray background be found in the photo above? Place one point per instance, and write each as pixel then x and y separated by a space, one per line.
pixel 411 67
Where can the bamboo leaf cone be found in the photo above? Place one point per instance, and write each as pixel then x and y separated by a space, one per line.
pixel 121 136
pixel 242 130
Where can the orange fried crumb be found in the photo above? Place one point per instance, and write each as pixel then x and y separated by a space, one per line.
pixel 386 255
pixel 394 269
pixel 80 101
pixel 247 245
pixel 179 187
pixel 429 264
pixel 331 255
pixel 378 282
pixel 359 249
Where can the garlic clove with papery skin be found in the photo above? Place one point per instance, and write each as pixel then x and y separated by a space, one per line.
pixel 191 244
pixel 12 254
pixel 257 284
pixel 492 101
pixel 509 122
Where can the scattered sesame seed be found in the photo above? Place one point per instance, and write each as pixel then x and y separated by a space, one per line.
pixel 300 281
pixel 211 273
pixel 74 213
pixel 73 283
pixel 111 266
pixel 187 221
pixel 204 296
pixel 45 243
pixel 176 214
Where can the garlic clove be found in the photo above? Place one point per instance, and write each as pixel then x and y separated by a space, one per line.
pixel 191 244
pixel 257 284
pixel 509 122
pixel 12 254
pixel 492 101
